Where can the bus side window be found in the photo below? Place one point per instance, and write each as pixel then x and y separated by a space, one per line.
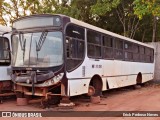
pixel 128 55
pixel 94 44
pixel 152 55
pixel 147 55
pixel 74 46
pixel 136 53
pixel 4 51
pixel 118 49
pixel 6 48
pixel 71 48
pixel 67 48
pixel 107 47
pixel 142 53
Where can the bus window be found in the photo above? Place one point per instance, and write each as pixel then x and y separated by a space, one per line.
pixel 142 54
pixel 135 52
pixel 94 44
pixel 74 46
pixel 75 32
pixel 128 46
pixel 80 49
pixel 4 51
pixel 107 47
pixel 119 44
pixel 135 48
pixel 107 41
pixel 147 51
pixel 141 50
pixel 152 55
pixel 148 55
pixel 128 55
pixel 118 49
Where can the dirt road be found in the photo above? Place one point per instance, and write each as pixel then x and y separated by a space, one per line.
pixel 146 98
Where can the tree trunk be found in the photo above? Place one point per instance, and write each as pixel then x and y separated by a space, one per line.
pixel 144 32
pixel 124 30
pixel 154 29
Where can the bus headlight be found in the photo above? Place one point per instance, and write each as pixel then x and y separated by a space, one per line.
pixel 57 78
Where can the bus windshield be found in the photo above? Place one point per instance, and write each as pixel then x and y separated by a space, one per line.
pixel 4 51
pixel 40 49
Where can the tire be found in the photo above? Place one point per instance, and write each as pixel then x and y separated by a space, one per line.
pixel 96 83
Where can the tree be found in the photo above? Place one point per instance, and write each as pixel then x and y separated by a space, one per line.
pixel 15 9
pixel 124 11
pixel 127 18
pixel 2 21
pixel 114 15
pixel 103 6
pixel 19 8
pixel 144 30
pixel 148 7
pixel 79 9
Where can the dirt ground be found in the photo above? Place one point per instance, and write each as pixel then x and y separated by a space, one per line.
pixel 146 98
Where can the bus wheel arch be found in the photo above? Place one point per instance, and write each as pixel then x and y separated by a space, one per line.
pixel 95 86
pixel 139 78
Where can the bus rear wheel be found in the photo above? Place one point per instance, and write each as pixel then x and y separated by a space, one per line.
pixel 95 87
pixel 138 81
pixel 91 91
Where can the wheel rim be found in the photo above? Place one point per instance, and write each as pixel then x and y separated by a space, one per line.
pixel 91 91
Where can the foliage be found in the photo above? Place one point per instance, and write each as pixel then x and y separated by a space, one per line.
pixel 104 6
pixel 146 7
pixel 119 16
pixel 149 7
pixel 2 21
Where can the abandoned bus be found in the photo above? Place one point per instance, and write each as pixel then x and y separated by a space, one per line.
pixel 59 55
pixel 5 60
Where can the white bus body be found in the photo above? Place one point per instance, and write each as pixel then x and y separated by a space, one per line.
pixel 93 59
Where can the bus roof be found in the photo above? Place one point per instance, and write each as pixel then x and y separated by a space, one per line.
pixel 89 26
pixel 86 25
pixel 4 29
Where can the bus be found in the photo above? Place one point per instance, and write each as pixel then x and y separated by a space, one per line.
pixel 5 62
pixel 56 55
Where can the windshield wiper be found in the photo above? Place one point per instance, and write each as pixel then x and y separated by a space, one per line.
pixel 41 40
pixel 22 41
pixel 23 48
